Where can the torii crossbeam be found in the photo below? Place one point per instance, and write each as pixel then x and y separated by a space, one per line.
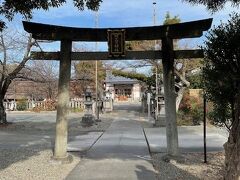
pixel 67 35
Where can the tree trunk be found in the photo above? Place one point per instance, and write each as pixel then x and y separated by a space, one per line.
pixel 179 98
pixel 3 116
pixel 232 146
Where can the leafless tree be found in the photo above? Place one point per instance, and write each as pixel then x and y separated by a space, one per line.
pixel 46 76
pixel 15 50
pixel 156 65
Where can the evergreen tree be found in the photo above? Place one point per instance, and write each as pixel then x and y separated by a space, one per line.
pixel 221 76
pixel 214 5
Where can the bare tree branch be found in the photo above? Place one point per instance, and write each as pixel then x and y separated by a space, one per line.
pixel 182 78
pixel 26 57
pixel 4 58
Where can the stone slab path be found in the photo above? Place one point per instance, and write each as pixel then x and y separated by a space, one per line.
pixel 120 153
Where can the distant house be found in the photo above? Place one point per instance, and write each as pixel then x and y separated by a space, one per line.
pixel 121 88
pixel 30 90
pixel 24 89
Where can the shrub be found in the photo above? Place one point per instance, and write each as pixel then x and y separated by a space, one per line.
pixel 50 105
pixel 190 111
pixel 195 81
pixel 196 110
pixel 76 110
pixel 36 109
pixel 21 105
pixel 185 104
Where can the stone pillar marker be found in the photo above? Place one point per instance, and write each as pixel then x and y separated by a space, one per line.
pixel 170 97
pixel 60 150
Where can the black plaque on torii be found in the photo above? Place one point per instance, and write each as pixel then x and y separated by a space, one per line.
pixel 116 43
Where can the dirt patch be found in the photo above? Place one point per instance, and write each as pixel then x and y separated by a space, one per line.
pixel 5 125
pixel 193 168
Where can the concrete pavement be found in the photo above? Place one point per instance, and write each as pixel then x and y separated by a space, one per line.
pixel 121 152
pixel 39 128
pixel 18 139
pixel 47 116
pixel 84 142
pixel 190 139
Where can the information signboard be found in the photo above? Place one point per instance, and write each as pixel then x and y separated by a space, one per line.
pixel 116 43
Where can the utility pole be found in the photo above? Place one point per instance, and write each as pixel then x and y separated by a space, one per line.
pixel 154 13
pixel 96 72
pixel 155 44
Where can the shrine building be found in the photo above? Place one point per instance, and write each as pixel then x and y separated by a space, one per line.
pixel 122 88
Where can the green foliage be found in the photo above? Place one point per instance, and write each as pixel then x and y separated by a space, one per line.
pixel 183 119
pixel 76 110
pixel 196 110
pixel 195 81
pixel 150 81
pixel 21 105
pixel 221 115
pixel 222 68
pixel 131 75
pixel 9 8
pixel 190 111
pixel 171 20
pixel 214 5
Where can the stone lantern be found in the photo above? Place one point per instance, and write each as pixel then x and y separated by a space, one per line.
pixel 108 95
pixel 108 102
pixel 88 117
pixel 161 116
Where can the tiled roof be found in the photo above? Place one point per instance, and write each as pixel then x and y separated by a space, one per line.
pixel 119 80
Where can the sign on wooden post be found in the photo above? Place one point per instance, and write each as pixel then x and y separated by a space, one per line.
pixel 116 43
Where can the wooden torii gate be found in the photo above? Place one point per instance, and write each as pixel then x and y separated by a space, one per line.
pixel 66 35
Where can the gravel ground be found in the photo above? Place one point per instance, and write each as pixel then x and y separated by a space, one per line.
pixel 192 169
pixel 32 163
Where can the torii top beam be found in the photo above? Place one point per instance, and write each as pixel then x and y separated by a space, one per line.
pixel 175 31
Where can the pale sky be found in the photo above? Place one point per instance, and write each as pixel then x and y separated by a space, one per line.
pixel 115 13
pixel 125 13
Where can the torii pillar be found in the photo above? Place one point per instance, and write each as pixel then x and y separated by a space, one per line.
pixel 170 97
pixel 60 150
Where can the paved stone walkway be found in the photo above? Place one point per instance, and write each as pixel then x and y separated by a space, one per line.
pixel 121 152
